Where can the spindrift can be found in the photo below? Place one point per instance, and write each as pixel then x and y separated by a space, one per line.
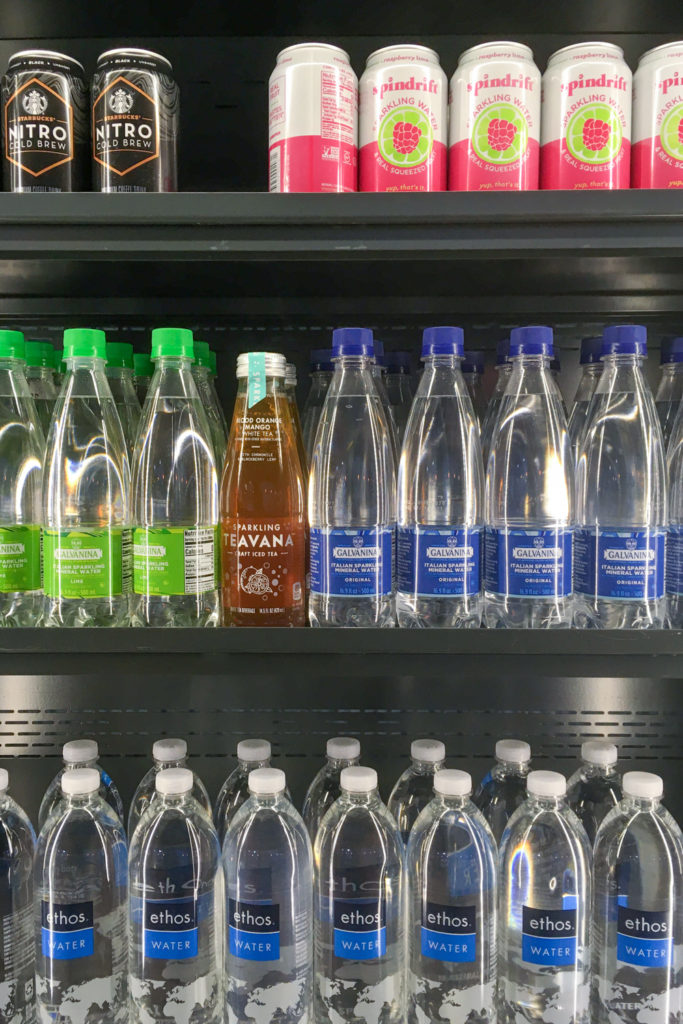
pixel 135 106
pixel 44 123
pixel 657 155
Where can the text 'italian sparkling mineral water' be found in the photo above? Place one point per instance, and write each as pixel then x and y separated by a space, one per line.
pixel 545 894
pixel 119 372
pixel 414 789
pixel 440 495
pixel 670 388
pixel 358 908
pixel 17 967
pixel 269 880
pixel 40 379
pixel 166 753
pixel 591 368
pixel 251 754
pixel 503 788
pixel 452 908
pixel 80 754
pixel 595 788
pixel 342 752
pixel 674 542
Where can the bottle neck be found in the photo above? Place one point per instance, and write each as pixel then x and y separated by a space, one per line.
pixel 81 800
pixel 548 803
pixel 160 766
pixel 174 800
pixel 454 803
pixel 274 386
pixel 604 770
pixel 426 767
pixel 267 799
pixel 250 766
pixel 592 369
pixel 643 804
pixel 119 373
pixel 337 763
pixel 513 767
pixel 361 799
pixel 68 765
pixel 74 363
pixel 173 363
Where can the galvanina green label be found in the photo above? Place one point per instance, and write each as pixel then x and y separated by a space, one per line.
pixel 19 559
pixel 174 561
pixel 87 562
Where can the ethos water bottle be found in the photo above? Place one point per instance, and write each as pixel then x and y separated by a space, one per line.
pixel 80 754
pixel 17 968
pixel 399 388
pixel 674 542
pixel 41 380
pixel 322 368
pixel 591 368
pixel 489 424
pixel 119 371
pixel 251 754
pixel 166 753
pixel 670 388
pixel 342 752
pixel 414 789
pixel 595 788
pixel 503 788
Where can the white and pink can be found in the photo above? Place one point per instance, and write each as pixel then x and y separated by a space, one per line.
pixel 313 121
pixel 657 156
pixel 495 119
pixel 586 118
pixel 403 121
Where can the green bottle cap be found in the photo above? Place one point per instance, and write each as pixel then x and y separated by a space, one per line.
pixel 201 353
pixel 142 364
pixel 39 353
pixel 11 345
pixel 120 353
pixel 172 342
pixel 212 363
pixel 85 342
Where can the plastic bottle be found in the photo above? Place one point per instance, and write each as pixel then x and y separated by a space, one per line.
pixel 503 788
pixel 621 495
pixel 175 497
pixel 78 754
pixel 342 752
pixel 529 496
pixel 399 388
pixel 143 371
pixel 176 908
pixel 359 908
pixel 637 923
pixel 22 449
pixel 591 368
pixel 489 424
pixel 352 527
pixel 545 899
pixel 379 373
pixel 595 788
pixel 119 372
pixel 17 970
pixel 452 864
pixel 40 379
pixel 290 391
pixel 166 753
pixel 414 788
pixel 670 389
pixel 80 885
pixel 213 377
pixel 556 370
pixel 251 754
pixel 440 496
pixel 202 373
pixel 269 880
pixel 674 542
pixel 86 496
pixel 59 368
pixel 322 369
pixel 473 366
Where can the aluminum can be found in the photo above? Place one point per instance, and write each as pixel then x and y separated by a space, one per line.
pixel 657 154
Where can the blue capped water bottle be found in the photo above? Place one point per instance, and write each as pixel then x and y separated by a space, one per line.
pixel 503 369
pixel 591 368
pixel 670 388
pixel 674 543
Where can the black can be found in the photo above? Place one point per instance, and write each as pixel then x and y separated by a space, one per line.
pixel 45 124
pixel 135 113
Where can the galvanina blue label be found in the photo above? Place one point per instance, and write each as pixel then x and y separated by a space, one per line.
pixel 67 930
pixel 674 560
pixel 619 564
pixel 528 563
pixel 439 561
pixel 254 930
pixel 644 937
pixel 352 562
pixel 360 928
pixel 449 933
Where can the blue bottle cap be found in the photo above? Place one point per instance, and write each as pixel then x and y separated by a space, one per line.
pixel 321 359
pixel 624 339
pixel 473 362
pixel 672 351
pixel 352 341
pixel 591 350
pixel 531 341
pixel 503 352
pixel 443 341
pixel 396 362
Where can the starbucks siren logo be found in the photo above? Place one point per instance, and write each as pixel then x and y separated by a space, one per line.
pixel 34 103
pixel 120 101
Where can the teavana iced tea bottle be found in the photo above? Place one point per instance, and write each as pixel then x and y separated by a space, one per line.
pixel 262 502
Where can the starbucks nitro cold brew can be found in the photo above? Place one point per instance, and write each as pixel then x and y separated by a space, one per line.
pixel 135 113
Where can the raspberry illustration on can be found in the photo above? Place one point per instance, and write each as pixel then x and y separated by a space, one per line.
pixel 657 155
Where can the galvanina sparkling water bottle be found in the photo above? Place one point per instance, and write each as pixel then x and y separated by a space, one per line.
pixel 591 368
pixel 342 752
pixel 40 379
pixel 352 527
pixel 359 908
pixel 22 449
pixel 80 754
pixel 621 495
pixel 143 371
pixel 201 371
pixel 545 894
pixel 670 389
pixel 489 425
pixel 321 375
pixel 452 864
pixel 175 497
pixel 379 375
pixel 17 972
pixel 267 860
pixel 414 789
pixel 166 753
pixel 440 495
pixel 503 788
pixel 251 754
pixel 637 928
pixel 176 909
pixel 473 366
pixel 674 542
pixel 80 885
pixel 119 372
pixel 399 388
pixel 86 496
pixel 529 496
pixel 595 788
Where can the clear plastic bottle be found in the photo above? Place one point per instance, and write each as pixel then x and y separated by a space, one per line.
pixel 591 368
pixel 595 788
pixel 267 859
pixel 213 377
pixel 143 371
pixel 322 369
pixel 414 788
pixel 352 527
pixel 202 373
pixel 59 368
pixel 674 542
pixel 489 424
pixel 175 497
pixel 176 908
pixel 473 366
pixel 290 391
pixel 440 496
pixel 545 898
pixel 166 753
pixel 359 926
pixel 379 374
pixel 529 496
pixel 80 754
pixel 621 495
pixel 503 788
pixel 41 381
pixel 119 372
pixel 80 886
pixel 556 371
pixel 22 449
pixel 251 754
pixel 86 496
pixel 670 389
pixel 637 931
pixel 452 864
pixel 399 387
pixel 342 752
pixel 17 970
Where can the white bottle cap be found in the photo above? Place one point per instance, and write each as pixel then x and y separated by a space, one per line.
pixel 452 782
pixel 4 780
pixel 546 784
pixel 343 748
pixel 80 751
pixel 174 781
pixel 357 779
pixel 514 751
pixel 169 750
pixel 253 750
pixel 599 752
pixel 427 750
pixel 267 781
pixel 80 781
pixel 643 785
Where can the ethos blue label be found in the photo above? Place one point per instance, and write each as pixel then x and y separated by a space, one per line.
pixel 438 561
pixel 674 560
pixel 360 928
pixel 549 937
pixel 171 931
pixel 352 563
pixel 528 563
pixel 620 564
pixel 644 937
pixel 254 930
pixel 67 930
pixel 449 933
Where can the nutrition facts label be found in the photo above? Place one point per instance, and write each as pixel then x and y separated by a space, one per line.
pixel 338 105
